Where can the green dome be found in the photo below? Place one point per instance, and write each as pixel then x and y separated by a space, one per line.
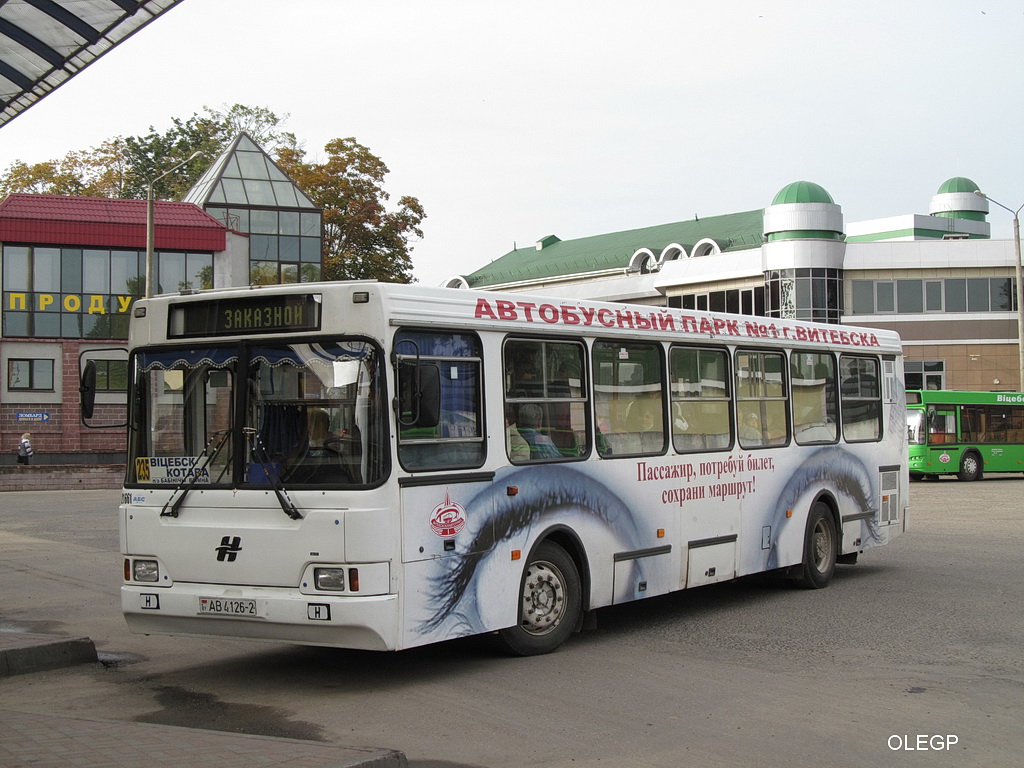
pixel 958 184
pixel 803 192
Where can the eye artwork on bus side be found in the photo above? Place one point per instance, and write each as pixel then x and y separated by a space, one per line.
pixel 464 593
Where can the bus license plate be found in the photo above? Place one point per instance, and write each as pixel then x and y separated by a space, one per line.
pixel 227 606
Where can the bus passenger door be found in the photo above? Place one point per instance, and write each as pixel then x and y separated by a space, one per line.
pixel 942 436
pixel 447 533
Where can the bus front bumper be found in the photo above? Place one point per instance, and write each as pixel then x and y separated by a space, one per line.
pixel 263 613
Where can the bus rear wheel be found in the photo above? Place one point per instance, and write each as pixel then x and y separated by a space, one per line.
pixel 550 603
pixel 821 547
pixel 970 467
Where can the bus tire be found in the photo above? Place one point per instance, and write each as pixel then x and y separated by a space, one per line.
pixel 821 548
pixel 549 603
pixel 970 467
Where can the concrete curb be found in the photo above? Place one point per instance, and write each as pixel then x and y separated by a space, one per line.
pixel 24 652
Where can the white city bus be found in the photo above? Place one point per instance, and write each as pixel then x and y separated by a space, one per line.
pixel 379 466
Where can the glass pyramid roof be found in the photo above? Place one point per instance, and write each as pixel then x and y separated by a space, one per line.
pixel 245 176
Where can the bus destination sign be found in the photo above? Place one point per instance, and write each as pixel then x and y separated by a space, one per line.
pixel 271 313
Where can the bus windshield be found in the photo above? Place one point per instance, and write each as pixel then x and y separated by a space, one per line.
pixel 289 414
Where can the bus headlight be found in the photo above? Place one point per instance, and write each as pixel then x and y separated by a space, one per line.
pixel 329 579
pixel 145 570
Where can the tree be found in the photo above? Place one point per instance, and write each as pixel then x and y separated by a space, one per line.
pixel 262 125
pixel 151 155
pixel 46 178
pixel 362 239
pixel 103 171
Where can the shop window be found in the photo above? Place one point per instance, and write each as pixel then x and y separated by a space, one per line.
pixel 924 374
pixel 111 375
pixel 75 293
pixel 23 375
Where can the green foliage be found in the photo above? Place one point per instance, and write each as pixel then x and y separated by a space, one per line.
pixel 152 154
pixel 362 239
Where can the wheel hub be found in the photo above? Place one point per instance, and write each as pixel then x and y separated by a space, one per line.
pixel 543 598
pixel 821 545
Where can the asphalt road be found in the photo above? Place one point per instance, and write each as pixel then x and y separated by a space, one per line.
pixel 912 657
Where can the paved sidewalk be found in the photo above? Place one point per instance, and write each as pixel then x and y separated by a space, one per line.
pixel 33 740
pixel 40 740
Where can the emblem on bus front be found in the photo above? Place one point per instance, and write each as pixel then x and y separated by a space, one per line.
pixel 448 518
pixel 229 548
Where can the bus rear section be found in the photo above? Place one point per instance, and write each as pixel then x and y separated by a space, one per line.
pixel 963 433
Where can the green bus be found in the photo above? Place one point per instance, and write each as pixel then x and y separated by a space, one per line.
pixel 964 433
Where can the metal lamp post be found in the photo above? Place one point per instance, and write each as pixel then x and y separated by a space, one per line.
pixel 150 225
pixel 1020 283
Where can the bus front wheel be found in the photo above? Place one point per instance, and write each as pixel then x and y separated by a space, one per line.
pixel 821 547
pixel 549 603
pixel 970 467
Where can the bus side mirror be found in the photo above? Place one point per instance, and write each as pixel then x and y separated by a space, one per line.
pixel 87 389
pixel 429 395
pixel 87 385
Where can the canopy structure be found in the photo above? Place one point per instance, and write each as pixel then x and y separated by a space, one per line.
pixel 44 43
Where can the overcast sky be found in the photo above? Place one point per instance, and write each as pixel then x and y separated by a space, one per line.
pixel 511 121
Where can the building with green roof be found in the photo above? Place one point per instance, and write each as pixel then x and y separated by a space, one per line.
pixel 936 278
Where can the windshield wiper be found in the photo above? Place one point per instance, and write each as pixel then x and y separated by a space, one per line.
pixel 259 452
pixel 175 501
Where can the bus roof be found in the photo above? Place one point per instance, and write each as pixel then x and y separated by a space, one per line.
pixel 524 313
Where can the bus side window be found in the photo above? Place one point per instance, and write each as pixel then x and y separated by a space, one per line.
pixel 860 399
pixel 761 399
pixel 815 399
pixel 629 398
pixel 545 401
pixel 700 399
pixel 439 407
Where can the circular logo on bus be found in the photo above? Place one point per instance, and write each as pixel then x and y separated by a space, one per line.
pixel 448 518
pixel 944 457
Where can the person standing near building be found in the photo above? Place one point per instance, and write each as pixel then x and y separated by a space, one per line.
pixel 25 449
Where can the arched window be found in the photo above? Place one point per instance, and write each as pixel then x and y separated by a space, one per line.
pixel 456 282
pixel 644 261
pixel 705 247
pixel 672 252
